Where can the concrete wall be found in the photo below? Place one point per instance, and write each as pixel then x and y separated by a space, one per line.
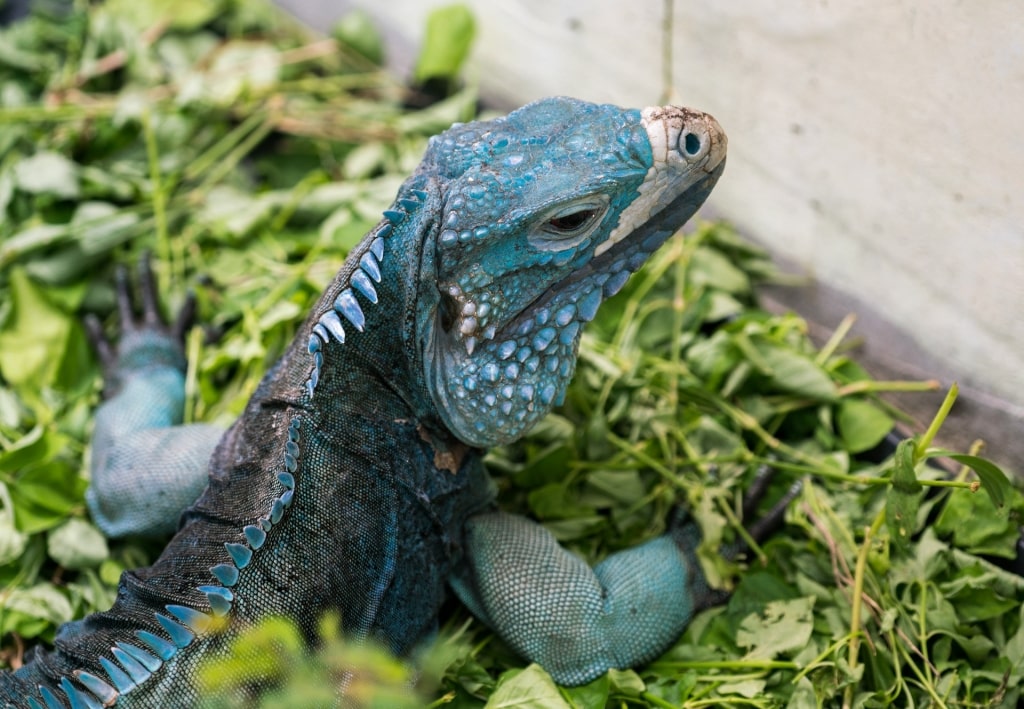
pixel 876 147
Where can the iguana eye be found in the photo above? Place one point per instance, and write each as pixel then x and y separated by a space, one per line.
pixel 571 222
pixel 565 227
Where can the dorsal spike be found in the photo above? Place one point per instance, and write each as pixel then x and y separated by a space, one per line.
pixel 286 479
pixel 79 699
pixel 395 216
pixel 227 574
pixel 332 323
pixel 276 511
pixel 149 661
pixel 409 205
pixel 106 693
pixel 50 699
pixel 420 195
pixel 219 597
pixel 180 635
pixel 377 247
pixel 320 331
pixel 118 676
pixel 347 305
pixel 254 535
pixel 196 620
pixel 240 554
pixel 362 283
pixel 135 669
pixel 369 263
pixel 163 649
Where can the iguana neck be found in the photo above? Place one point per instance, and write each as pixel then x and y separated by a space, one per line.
pixel 363 328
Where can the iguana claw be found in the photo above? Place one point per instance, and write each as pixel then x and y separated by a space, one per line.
pixel 149 325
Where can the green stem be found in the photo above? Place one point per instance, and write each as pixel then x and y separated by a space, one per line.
pixel 837 337
pixel 864 386
pixel 163 239
pixel 742 531
pixel 857 600
pixel 727 665
pixel 647 460
pixel 657 701
pixel 940 417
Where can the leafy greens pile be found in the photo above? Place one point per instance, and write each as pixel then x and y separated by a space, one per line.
pixel 250 156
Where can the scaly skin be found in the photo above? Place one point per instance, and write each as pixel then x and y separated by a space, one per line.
pixel 353 481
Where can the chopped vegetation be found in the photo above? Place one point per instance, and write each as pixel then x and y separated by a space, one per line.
pixel 250 156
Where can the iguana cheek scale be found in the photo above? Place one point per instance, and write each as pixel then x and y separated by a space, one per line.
pixel 353 481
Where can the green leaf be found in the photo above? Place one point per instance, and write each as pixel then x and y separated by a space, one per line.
pixel 12 542
pixel 449 35
pixel 357 31
pixel 626 683
pixel 993 480
pixel 45 494
pixel 977 526
pixel 861 425
pixel 903 497
pixel 76 544
pixel 785 626
pixel 42 602
pixel 48 173
pixel 592 694
pixel 37 336
pixel 179 14
pixel 529 688
pixel 712 269
pixel 794 372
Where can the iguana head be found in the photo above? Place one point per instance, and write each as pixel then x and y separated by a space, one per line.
pixel 545 213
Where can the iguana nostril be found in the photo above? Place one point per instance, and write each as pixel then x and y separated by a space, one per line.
pixel 691 144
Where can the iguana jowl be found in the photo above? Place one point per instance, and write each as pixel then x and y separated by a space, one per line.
pixel 353 481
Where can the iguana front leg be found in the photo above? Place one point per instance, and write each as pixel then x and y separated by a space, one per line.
pixel 146 466
pixel 578 622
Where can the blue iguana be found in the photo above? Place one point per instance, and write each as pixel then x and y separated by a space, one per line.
pixel 353 482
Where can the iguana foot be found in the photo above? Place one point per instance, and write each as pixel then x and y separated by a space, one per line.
pixel 146 467
pixel 144 341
